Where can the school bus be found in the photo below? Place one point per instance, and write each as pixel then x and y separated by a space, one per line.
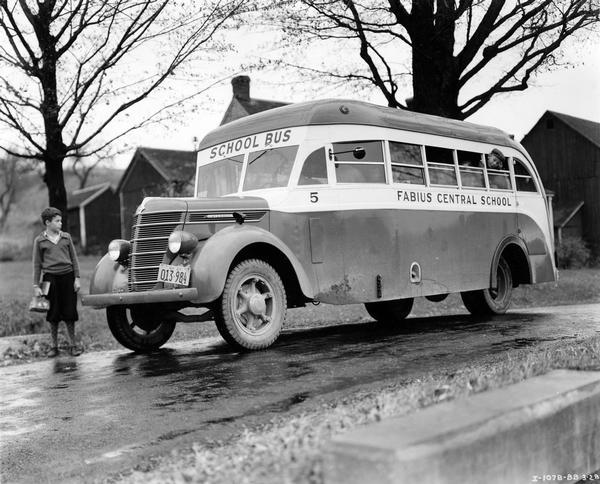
pixel 333 201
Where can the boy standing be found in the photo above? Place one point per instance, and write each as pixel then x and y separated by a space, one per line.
pixel 54 256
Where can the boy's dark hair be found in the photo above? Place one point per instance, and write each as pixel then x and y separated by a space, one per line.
pixel 49 213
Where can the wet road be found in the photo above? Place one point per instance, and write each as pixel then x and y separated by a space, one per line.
pixel 79 419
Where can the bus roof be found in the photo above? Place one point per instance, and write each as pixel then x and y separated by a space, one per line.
pixel 343 111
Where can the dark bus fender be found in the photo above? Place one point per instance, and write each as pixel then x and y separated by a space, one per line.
pixel 212 262
pixel 108 277
pixel 525 274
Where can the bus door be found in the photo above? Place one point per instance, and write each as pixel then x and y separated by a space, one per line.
pixel 318 201
pixel 367 228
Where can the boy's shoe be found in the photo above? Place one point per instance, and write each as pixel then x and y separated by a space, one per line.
pixel 52 352
pixel 74 351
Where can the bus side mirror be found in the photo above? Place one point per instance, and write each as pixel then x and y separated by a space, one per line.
pixel 358 153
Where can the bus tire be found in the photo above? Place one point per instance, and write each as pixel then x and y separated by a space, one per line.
pixel 250 313
pixel 388 312
pixel 487 302
pixel 141 337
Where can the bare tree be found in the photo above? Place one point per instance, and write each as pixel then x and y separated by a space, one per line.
pixel 72 70
pixel 11 169
pixel 83 166
pixel 454 46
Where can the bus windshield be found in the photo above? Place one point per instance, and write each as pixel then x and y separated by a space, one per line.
pixel 269 168
pixel 220 178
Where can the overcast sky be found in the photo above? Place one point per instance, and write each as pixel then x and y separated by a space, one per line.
pixel 572 90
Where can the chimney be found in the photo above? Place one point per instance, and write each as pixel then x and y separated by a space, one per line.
pixel 241 87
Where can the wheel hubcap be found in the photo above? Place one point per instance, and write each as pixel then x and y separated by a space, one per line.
pixel 253 304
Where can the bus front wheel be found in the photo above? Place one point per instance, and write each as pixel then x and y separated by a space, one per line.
pixel 250 313
pixel 138 331
pixel 390 311
pixel 486 302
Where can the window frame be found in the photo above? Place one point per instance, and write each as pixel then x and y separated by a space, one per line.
pixel 435 164
pixel 422 166
pixel 384 163
pixel 480 168
pixel 514 161
pixel 325 148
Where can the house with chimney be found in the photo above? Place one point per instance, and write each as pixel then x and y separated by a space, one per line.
pixel 566 152
pixel 242 104
pixel 159 172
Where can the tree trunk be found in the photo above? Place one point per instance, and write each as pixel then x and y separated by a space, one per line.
pixel 435 74
pixel 55 151
pixel 55 181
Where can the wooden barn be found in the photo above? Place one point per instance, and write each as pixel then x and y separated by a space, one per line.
pixel 154 172
pixel 93 217
pixel 566 151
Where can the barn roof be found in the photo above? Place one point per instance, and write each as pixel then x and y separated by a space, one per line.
pixel 83 196
pixel 172 165
pixel 586 128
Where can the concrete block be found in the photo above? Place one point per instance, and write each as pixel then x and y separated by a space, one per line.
pixel 544 426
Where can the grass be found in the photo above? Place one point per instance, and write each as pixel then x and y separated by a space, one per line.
pixel 290 449
pixel 574 286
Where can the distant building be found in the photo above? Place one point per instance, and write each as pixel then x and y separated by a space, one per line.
pixel 156 172
pixel 93 217
pixel 566 151
pixel 242 104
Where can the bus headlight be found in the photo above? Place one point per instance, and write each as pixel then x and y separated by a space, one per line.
pixel 119 249
pixel 181 242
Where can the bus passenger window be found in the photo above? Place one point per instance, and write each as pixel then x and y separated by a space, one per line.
pixel 523 178
pixel 470 166
pixel 354 165
pixel 407 163
pixel 314 170
pixel 497 168
pixel 440 162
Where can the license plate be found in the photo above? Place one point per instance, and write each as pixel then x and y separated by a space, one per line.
pixel 179 275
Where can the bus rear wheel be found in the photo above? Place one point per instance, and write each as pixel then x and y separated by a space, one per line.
pixel 486 302
pixel 141 333
pixel 250 313
pixel 389 312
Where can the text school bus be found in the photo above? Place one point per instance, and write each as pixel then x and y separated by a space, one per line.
pixel 330 201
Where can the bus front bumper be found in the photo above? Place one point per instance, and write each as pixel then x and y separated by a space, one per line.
pixel 130 298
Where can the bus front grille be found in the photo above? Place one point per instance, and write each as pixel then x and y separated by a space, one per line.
pixel 148 246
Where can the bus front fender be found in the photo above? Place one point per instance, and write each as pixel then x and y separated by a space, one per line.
pixel 108 277
pixel 212 263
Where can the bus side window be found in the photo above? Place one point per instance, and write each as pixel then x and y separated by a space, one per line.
pixel 523 178
pixel 440 162
pixel 314 170
pixel 352 167
pixel 497 168
pixel 407 163
pixel 470 166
